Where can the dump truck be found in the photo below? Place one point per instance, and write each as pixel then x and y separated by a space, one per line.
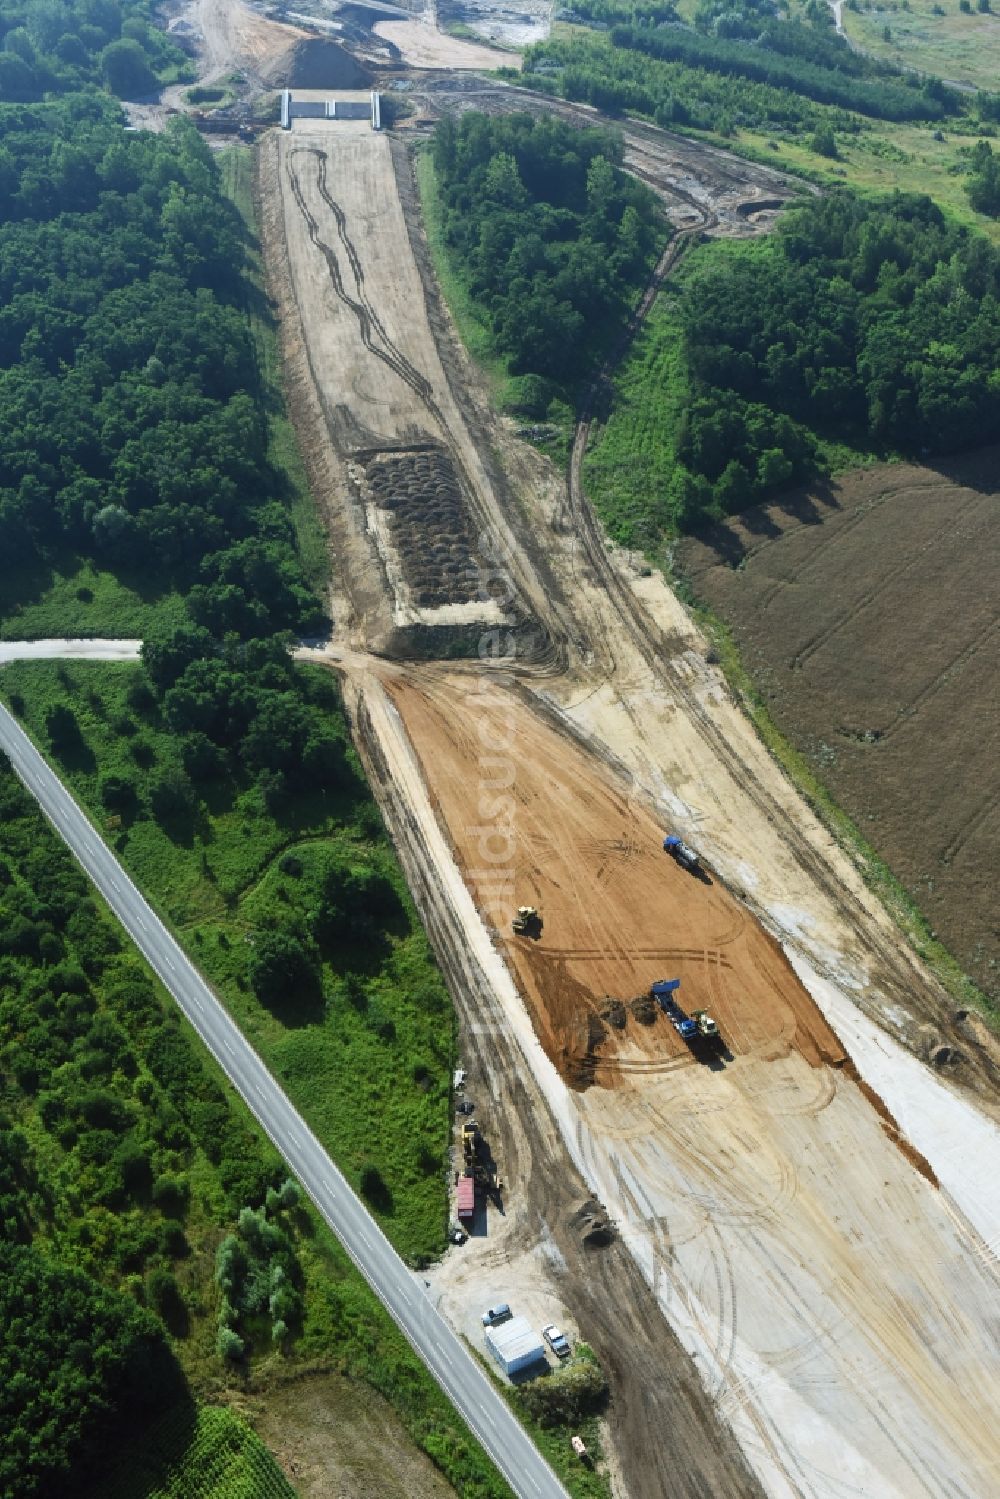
pixel 527 922
pixel 663 993
pixel 681 852
pixel 465 1198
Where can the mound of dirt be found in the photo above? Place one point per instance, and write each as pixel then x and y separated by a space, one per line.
pixel 580 1058
pixel 316 62
pixel 643 1007
pixel 614 1012
pixel 592 1223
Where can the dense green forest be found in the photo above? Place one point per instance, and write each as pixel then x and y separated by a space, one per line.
pixel 284 886
pixel 120 1155
pixel 124 1155
pixel 869 323
pixel 789 56
pixel 79 1367
pixel 740 65
pixel 61 46
pixel 133 431
pixel 551 238
pixel 983 184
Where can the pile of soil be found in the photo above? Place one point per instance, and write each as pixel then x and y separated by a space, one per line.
pixel 316 62
pixel 615 1013
pixel 592 1223
pixel 580 1056
pixel 643 1007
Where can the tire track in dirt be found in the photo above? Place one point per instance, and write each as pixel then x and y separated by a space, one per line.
pixel 389 355
pixel 817 641
pixel 654 1383
pixel 941 680
pixel 724 1338
pixel 417 382
pixel 881 1324
pixel 980 813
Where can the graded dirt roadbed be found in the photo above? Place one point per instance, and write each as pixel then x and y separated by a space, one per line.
pixel 618 913
pixel 837 1369
pixel 378 417
pixel 832 1300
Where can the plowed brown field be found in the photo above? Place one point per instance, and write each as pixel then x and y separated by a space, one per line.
pixel 870 618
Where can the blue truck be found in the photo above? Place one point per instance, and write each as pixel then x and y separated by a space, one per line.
pixel 663 993
pixel 681 852
pixel 697 1027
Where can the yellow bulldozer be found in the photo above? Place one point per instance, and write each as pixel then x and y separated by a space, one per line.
pixel 527 922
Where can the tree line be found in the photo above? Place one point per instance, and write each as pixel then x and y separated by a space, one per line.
pixel 550 235
pixel 870 321
pixel 741 63
pixel 133 431
pixel 588 68
pixel 63 46
pixel 789 66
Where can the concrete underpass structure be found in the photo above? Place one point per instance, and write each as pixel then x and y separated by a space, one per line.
pixel 309 104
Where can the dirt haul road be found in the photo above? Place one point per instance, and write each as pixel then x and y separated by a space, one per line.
pixel 834 1298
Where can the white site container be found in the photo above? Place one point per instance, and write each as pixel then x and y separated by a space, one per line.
pixel 515 1345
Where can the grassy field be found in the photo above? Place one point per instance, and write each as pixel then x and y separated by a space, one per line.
pixel 472 324
pixel 236 167
pixel 881 159
pixel 84 602
pixel 368 1060
pixel 933 36
pixel 199 1454
pixel 631 456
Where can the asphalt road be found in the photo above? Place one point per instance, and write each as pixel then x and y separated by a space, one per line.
pixel 399 1290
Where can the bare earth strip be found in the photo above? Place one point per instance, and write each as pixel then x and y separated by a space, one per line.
pixel 830 1278
pixel 421 45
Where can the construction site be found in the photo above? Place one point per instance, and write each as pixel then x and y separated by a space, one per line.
pixel 778 1229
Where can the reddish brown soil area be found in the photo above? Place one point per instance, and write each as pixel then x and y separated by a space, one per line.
pixel 541 824
pixel 868 617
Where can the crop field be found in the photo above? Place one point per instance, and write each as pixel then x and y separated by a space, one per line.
pixel 867 615
pixel 210 1454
